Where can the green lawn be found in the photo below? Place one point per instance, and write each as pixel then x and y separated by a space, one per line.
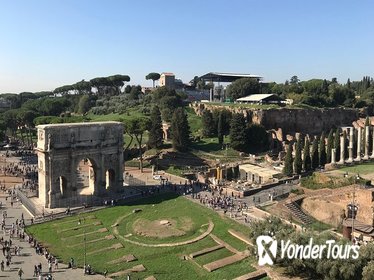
pixel 364 168
pixel 194 121
pixel 115 116
pixel 65 238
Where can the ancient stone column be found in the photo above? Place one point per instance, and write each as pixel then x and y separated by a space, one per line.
pixel 350 147
pixel 367 132
pixel 358 158
pixel 333 156
pixel 342 149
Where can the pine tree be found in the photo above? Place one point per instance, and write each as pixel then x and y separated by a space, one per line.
pixel 337 144
pixel 330 145
pixel 298 164
pixel 220 128
pixel 322 150
pixel 288 170
pixel 180 130
pixel 155 131
pixel 238 133
pixel 315 158
pixel 307 161
pixel 208 123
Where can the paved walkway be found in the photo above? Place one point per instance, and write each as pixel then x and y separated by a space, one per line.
pixel 28 257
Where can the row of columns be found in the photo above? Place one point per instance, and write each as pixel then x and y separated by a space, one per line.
pixel 351 146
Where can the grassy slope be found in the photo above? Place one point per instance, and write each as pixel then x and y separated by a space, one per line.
pixel 163 263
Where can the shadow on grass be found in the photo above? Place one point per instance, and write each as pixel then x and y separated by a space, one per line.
pixel 155 199
pixel 207 147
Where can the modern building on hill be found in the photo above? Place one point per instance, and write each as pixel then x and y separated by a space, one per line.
pixel 167 80
pixel 221 80
pixel 261 99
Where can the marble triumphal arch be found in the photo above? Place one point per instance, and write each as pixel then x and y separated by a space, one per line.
pixel 65 149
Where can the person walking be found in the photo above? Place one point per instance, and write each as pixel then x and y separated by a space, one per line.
pixel 20 272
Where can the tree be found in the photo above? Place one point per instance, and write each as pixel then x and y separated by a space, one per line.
pixel 180 130
pixel 220 128
pixel 26 120
pixel 167 100
pixel 288 168
pixel 315 158
pixel 153 76
pixel 337 144
pixel 330 145
pixel 155 131
pixel 10 120
pixel 298 164
pixel 84 104
pixel 294 80
pixel 257 138
pixel 322 150
pixel 135 92
pixel 368 272
pixel 136 127
pixel 307 161
pixel 238 134
pixel 243 87
pixel 208 124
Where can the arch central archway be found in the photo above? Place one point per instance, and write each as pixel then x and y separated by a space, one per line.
pixel 85 177
pixel 79 159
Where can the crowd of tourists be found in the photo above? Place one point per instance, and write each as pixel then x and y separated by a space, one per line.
pixel 9 249
pixel 26 168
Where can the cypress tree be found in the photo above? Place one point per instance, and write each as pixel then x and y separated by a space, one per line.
pixel 322 150
pixel 238 133
pixel 208 123
pixel 180 130
pixel 287 170
pixel 298 164
pixel 330 145
pixel 337 144
pixel 155 131
pixel 315 158
pixel 307 161
pixel 220 128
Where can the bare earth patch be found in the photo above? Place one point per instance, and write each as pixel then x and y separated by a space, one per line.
pixel 162 228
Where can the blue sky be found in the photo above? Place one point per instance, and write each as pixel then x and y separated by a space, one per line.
pixel 48 43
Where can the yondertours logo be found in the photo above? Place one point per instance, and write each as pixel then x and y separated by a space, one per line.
pixel 267 248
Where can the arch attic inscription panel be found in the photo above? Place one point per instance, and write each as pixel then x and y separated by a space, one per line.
pixel 61 147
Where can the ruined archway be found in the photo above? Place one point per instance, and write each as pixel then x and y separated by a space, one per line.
pixel 79 159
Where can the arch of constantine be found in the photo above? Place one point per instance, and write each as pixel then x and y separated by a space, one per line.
pixel 62 147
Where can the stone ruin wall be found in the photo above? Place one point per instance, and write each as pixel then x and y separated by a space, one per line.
pixel 328 209
pixel 307 121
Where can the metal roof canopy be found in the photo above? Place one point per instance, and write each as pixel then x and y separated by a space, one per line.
pixel 227 77
pixel 256 97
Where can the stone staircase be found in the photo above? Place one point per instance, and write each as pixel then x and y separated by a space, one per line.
pixel 298 212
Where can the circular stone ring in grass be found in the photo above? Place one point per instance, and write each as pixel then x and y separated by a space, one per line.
pixel 155 228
